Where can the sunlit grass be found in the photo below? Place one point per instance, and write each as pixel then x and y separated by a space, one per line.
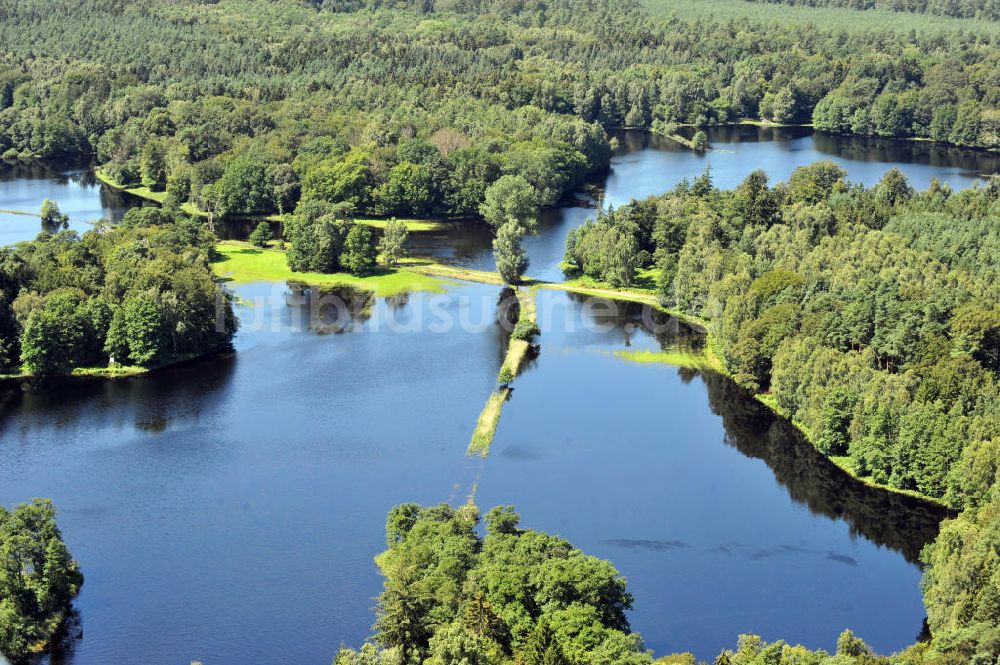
pixel 677 358
pixel 829 18
pixel 243 263
pixel 486 426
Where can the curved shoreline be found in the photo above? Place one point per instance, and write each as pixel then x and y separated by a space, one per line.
pixel 709 361
pixel 712 360
pixel 121 371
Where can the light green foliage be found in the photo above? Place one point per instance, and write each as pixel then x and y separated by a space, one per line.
pixel 53 218
pixel 153 165
pixel 606 248
pixel 511 199
pixel 962 585
pixel 38 577
pixel 392 245
pixel 338 180
pixel 699 141
pixel 137 333
pixel 244 187
pixel 511 260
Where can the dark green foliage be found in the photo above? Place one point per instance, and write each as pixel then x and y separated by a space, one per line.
pixel 359 250
pixel 525 330
pixel 38 577
pixel 867 314
pixel 316 238
pixel 261 235
pixel 514 596
pixel 141 293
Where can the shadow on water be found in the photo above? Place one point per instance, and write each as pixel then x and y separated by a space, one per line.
pixel 889 519
pixel 148 403
pixel 331 310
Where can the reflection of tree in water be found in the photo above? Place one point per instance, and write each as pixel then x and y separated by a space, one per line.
pixel 149 403
pixel 874 149
pixel 329 310
pixel 888 519
pixel 66 639
pixel 459 241
pixel 624 318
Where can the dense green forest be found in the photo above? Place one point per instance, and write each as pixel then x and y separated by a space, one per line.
pixel 987 10
pixel 415 108
pixel 38 578
pixel 139 293
pixel 868 316
pixel 522 597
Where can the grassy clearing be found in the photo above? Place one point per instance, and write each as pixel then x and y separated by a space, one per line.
pixel 242 263
pixel 676 358
pixel 19 212
pixel 429 268
pixel 486 426
pixel 645 281
pixel 828 18
pixel 412 225
pixel 110 372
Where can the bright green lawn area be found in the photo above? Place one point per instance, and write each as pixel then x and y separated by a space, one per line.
pixel 413 225
pixel 678 358
pixel 243 263
pixel 829 18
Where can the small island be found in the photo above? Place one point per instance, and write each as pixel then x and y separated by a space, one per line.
pixel 38 579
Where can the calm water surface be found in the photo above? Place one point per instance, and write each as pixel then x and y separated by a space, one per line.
pixel 229 511
pixel 647 164
pixel 721 517
pixel 77 192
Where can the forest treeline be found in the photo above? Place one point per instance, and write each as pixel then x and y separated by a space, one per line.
pixel 867 315
pixel 140 293
pixel 986 10
pixel 870 317
pixel 416 108
pixel 517 596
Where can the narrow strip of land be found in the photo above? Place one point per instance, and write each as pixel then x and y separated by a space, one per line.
pixel 19 212
pixel 517 353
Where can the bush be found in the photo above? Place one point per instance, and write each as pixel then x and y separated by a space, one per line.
pixel 525 330
pixel 261 235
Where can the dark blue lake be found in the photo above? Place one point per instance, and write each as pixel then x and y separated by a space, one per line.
pixel 229 511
